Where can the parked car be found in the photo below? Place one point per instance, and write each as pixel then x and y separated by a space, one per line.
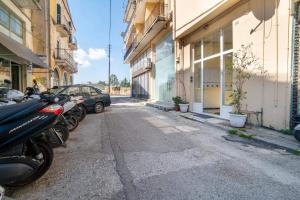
pixel 95 99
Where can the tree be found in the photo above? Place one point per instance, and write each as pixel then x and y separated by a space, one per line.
pixel 114 81
pixel 125 83
pixel 102 83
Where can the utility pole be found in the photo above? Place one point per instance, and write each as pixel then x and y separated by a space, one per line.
pixel 109 46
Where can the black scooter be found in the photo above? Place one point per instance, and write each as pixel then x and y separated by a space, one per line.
pixel 25 153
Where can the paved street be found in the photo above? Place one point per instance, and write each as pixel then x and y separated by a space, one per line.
pixel 136 152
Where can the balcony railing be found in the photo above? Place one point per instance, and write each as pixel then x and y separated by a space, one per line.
pixel 72 42
pixel 64 57
pixel 63 24
pixel 159 11
pixel 128 6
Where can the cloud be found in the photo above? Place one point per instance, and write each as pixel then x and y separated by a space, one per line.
pixel 97 54
pixel 84 58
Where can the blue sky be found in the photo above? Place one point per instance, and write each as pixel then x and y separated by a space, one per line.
pixel 91 19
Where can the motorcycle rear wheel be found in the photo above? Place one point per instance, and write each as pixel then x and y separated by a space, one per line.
pixel 47 153
pixel 63 132
pixel 72 122
pixel 83 113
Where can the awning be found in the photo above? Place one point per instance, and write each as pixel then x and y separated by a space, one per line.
pixel 12 50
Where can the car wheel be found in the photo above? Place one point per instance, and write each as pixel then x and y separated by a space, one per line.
pixel 99 107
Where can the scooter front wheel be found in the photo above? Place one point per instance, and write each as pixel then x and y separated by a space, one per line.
pixel 46 161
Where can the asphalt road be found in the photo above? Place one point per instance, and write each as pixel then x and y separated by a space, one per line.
pixel 135 152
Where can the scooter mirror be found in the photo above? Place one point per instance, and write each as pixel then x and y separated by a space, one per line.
pixel 1 192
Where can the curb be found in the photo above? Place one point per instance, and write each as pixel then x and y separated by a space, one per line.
pixel 260 142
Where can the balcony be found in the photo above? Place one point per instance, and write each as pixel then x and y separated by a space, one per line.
pixel 72 42
pixel 29 4
pixel 130 8
pixel 154 23
pixel 63 26
pixel 63 57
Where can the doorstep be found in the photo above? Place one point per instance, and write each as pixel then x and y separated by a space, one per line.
pixel 165 106
pixel 262 135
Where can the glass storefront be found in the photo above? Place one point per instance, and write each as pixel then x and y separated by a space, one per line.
pixel 5 71
pixel 213 73
pixel 165 70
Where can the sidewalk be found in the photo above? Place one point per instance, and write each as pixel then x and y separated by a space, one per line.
pixel 262 135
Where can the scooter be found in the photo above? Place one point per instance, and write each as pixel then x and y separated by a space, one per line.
pixel 25 154
pixel 297 132
pixel 79 100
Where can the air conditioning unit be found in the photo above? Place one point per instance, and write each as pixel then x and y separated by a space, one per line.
pixel 148 64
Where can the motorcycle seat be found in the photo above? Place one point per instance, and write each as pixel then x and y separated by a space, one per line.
pixel 18 111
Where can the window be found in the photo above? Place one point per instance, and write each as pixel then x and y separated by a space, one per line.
pixel 227 80
pixel 71 91
pixel 85 91
pixel 211 44
pixel 4 18
pixel 197 51
pixel 93 92
pixel 16 26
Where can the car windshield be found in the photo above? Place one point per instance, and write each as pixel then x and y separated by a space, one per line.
pixel 57 90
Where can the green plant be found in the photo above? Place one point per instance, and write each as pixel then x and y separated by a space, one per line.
pixel 233 132
pixel 245 66
pixel 240 133
pixel 286 131
pixel 177 100
pixel 296 152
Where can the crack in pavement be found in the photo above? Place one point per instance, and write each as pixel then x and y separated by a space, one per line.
pixel 121 167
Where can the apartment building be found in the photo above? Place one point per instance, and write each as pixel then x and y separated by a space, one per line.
pixel 18 57
pixel 207 33
pixel 150 49
pixel 62 44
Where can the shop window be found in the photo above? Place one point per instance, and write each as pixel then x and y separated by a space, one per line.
pixel 211 44
pixel 227 32
pixel 227 80
pixel 4 71
pixel 197 82
pixel 197 51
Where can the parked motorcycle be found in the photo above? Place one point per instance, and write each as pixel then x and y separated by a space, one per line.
pixel 79 100
pixel 25 153
pixel 297 132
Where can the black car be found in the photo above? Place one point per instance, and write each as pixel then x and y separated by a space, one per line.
pixel 95 99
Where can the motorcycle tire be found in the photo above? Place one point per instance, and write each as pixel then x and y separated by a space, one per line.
pixel 72 122
pixel 63 132
pixel 47 152
pixel 83 113
pixel 297 135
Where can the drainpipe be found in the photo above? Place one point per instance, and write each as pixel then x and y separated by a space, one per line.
pixel 263 65
pixel 295 60
pixel 277 60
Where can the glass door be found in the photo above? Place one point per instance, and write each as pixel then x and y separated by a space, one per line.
pixel 165 70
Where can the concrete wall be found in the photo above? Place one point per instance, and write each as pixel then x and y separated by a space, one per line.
pixel 266 24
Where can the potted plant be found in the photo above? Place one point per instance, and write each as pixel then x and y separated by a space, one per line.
pixel 244 67
pixel 180 104
pixel 184 106
pixel 177 100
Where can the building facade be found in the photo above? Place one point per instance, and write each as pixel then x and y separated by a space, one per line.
pixel 62 44
pixel 18 58
pixel 190 54
pixel 150 49
pixel 207 33
pixel 37 43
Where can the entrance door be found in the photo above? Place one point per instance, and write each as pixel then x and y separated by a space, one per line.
pixel 15 76
pixel 211 86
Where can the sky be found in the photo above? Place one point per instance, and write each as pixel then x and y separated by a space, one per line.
pixel 91 19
